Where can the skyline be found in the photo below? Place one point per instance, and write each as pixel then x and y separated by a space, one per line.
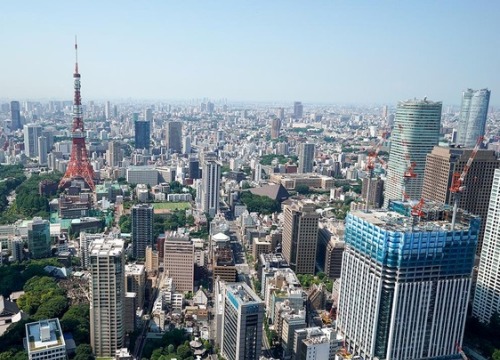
pixel 254 52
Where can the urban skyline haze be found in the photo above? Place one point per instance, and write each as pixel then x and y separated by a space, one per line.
pixel 321 52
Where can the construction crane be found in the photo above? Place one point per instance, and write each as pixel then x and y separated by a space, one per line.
pixel 409 172
pixel 461 352
pixel 370 165
pixel 457 183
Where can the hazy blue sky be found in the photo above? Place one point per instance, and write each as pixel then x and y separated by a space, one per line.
pixel 314 51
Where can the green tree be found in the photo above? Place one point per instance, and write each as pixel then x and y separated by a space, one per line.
pixel 84 352
pixel 496 355
pixel 184 351
pixel 302 189
pixel 171 349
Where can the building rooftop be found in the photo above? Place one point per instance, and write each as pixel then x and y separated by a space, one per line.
pixel 134 269
pixel 106 247
pixel 436 217
pixel 44 334
pixel 242 293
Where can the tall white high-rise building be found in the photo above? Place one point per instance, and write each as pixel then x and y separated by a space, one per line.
pixel 405 284
pixel 31 134
pixel 107 296
pixel 107 110
pixel 211 184
pixel 473 114
pixel 416 132
pixel 242 320
pixel 487 295
pixel 306 157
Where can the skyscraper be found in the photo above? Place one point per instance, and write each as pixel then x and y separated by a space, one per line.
pixel 142 229
pixel 39 243
pixel 300 236
pixel 42 150
pixel 173 139
pixel 405 282
pixel 275 128
pixel 15 115
pixel 242 320
pixel 306 157
pixel 416 132
pixel 211 184
pixel 142 134
pixel 442 162
pixel 31 134
pixel 107 296
pixel 473 114
pixel 114 154
pixel 487 295
pixel 179 260
pixel 298 110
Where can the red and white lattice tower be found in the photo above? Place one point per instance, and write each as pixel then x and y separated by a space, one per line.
pixel 79 166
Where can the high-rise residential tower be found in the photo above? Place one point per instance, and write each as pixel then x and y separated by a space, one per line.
pixel 39 243
pixel 416 132
pixel 405 282
pixel 211 184
pixel 275 128
pixel 173 138
pixel 473 114
pixel 15 115
pixel 179 260
pixel 306 157
pixel 300 236
pixel 42 150
pixel 487 294
pixel 142 134
pixel 298 110
pixel 114 154
pixel 242 323
pixel 107 296
pixel 31 134
pixel 142 229
pixel 442 162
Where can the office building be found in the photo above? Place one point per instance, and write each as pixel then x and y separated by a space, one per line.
pixel 242 323
pixel 135 282
pixel 142 134
pixel 152 260
pixel 179 260
pixel 400 277
pixel 107 110
pixel 416 132
pixel 115 155
pixel 211 184
pixel 442 162
pixel 372 191
pixel 473 114
pixel 142 175
pixel 316 343
pixel 39 243
pixel 275 128
pixel 487 294
pixel 148 115
pixel 142 229
pixel 31 134
pixel 107 296
pixel 194 169
pixel 306 157
pixel 42 150
pixel 298 110
pixel 173 139
pixel 45 341
pixel 300 236
pixel 15 116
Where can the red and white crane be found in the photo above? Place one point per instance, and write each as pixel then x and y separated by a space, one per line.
pixel 370 164
pixel 457 183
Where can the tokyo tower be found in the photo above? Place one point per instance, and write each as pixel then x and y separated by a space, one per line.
pixel 79 166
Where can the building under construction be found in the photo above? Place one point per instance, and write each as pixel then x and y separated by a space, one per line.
pixel 406 279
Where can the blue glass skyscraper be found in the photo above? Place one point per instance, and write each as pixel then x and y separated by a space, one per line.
pixel 142 134
pixel 405 282
pixel 473 114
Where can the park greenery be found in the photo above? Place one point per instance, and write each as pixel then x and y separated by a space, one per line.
pixel 307 280
pixel 282 159
pixel 260 204
pixel 28 201
pixel 173 345
pixel 43 298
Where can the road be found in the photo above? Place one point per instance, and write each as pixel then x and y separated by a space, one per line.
pixel 141 339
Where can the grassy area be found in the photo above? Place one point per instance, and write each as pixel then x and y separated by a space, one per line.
pixel 172 206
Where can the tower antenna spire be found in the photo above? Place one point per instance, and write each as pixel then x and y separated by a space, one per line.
pixel 76 56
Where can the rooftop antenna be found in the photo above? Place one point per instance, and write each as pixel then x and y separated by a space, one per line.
pixel 76 56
